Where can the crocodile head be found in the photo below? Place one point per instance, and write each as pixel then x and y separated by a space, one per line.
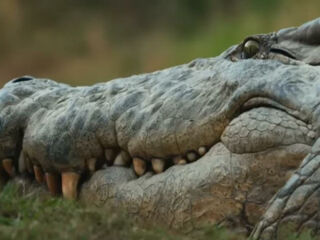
pixel 208 141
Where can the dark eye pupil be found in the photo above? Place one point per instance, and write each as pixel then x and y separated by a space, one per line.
pixel 251 47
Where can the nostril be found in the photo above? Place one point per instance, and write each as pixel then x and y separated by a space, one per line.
pixel 22 79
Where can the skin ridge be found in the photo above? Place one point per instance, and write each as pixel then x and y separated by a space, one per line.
pixel 118 109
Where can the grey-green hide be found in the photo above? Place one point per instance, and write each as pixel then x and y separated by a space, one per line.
pixel 255 112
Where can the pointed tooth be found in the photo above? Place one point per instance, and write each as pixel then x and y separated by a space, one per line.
pixel 52 180
pixel 9 167
pixel 110 155
pixel 139 166
pixel 38 174
pixel 179 160
pixel 70 182
pixel 202 151
pixel 91 164
pixel 22 164
pixel 119 161
pixel 158 165
pixel 123 159
pixel 191 156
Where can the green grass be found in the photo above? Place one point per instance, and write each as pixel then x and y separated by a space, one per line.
pixel 31 216
pixel 84 46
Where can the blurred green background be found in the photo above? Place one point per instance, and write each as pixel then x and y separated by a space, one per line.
pixel 81 42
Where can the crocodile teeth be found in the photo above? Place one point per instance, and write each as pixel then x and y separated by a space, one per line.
pixel 70 182
pixel 110 155
pixel 8 166
pixel 202 151
pixel 52 183
pixel 191 156
pixel 91 164
pixel 179 161
pixel 38 174
pixel 139 166
pixel 123 159
pixel 158 165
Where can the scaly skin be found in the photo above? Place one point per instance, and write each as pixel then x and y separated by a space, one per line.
pixel 257 115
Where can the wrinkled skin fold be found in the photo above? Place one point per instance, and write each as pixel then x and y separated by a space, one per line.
pixel 229 140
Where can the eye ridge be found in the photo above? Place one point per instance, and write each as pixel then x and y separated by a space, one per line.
pixel 251 47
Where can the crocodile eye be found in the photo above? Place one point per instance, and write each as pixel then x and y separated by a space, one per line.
pixel 251 47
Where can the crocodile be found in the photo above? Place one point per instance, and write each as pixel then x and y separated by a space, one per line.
pixel 229 140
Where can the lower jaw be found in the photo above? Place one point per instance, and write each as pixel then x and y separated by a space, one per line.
pixel 220 187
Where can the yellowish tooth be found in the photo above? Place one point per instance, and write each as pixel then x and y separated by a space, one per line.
pixel 179 160
pixel 9 167
pixel 202 151
pixel 158 165
pixel 139 166
pixel 110 155
pixel 91 164
pixel 119 161
pixel 191 156
pixel 38 174
pixel 70 182
pixel 52 180
pixel 123 159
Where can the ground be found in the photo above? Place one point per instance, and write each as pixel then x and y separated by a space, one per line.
pixel 26 216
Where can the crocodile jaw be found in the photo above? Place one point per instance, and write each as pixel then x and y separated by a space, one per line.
pixel 220 187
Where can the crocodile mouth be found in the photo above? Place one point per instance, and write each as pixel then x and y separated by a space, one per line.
pixel 261 124
pixel 256 153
